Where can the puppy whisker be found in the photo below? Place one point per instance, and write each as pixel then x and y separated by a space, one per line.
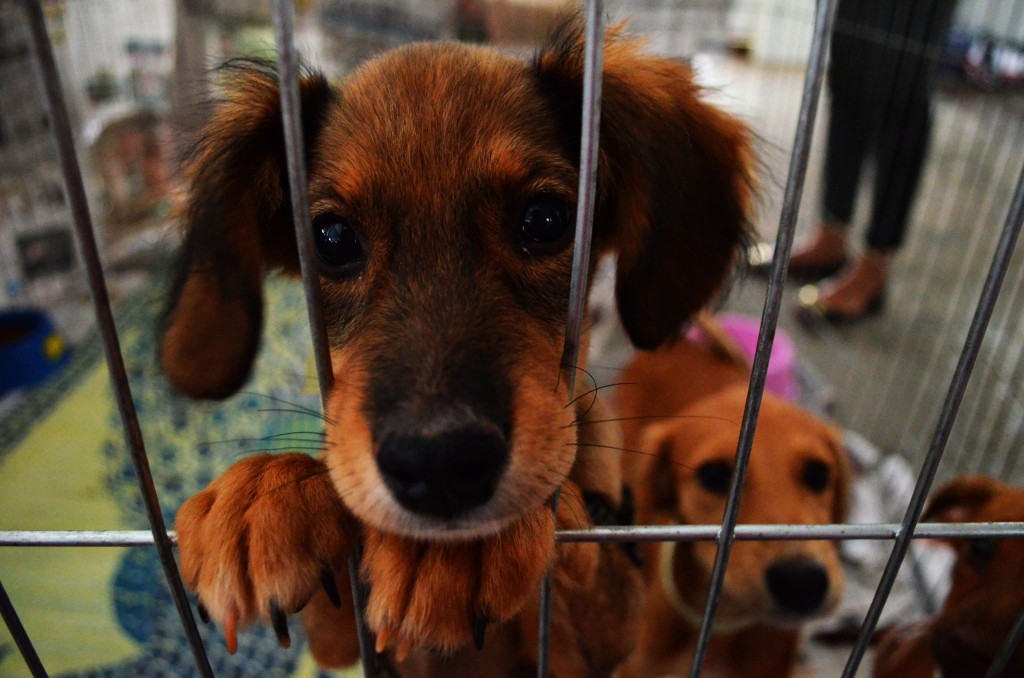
pixel 593 380
pixel 609 368
pixel 280 437
pixel 298 407
pixel 589 376
pixel 652 416
pixel 598 388
pixel 626 449
pixel 292 448
pixel 298 436
pixel 565 366
pixel 296 411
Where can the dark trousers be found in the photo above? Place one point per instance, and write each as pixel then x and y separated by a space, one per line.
pixel 883 61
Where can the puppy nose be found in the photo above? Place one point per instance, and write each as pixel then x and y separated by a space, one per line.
pixel 445 473
pixel 798 586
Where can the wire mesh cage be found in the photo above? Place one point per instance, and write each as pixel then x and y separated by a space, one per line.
pixel 938 385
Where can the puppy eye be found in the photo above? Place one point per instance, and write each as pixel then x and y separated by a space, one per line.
pixel 982 550
pixel 816 475
pixel 546 224
pixel 715 476
pixel 336 243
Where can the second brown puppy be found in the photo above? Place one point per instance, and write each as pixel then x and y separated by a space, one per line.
pixel 682 407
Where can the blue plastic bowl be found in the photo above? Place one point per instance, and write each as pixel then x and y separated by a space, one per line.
pixel 31 349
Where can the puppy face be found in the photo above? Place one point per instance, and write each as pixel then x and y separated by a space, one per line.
pixel 986 597
pixel 442 196
pixel 797 474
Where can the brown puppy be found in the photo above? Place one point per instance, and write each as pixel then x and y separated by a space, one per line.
pixel 442 187
pixel 683 406
pixel 984 601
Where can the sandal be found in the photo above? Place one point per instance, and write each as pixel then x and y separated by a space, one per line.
pixel 813 305
pixel 858 293
pixel 821 256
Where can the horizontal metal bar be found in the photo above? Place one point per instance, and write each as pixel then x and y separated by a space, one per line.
pixel 830 532
pixel 80 538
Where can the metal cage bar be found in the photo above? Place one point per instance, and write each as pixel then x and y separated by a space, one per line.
pixel 20 635
pixel 947 417
pixel 291 117
pixel 60 124
pixel 661 533
pixel 824 21
pixel 589 143
pixel 589 132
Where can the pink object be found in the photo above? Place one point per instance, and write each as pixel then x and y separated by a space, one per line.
pixel 781 379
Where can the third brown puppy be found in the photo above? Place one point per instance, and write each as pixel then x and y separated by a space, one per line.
pixel 683 407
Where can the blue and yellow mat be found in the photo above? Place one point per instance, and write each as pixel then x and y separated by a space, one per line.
pixel 64 466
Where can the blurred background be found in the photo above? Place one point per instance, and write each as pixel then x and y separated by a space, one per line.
pixel 135 78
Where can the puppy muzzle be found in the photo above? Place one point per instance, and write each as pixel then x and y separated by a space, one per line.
pixel 444 473
pixel 798 587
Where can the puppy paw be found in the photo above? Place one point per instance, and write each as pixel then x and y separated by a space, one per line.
pixel 443 595
pixel 262 539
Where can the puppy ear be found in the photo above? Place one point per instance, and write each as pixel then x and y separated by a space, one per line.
pixel 237 217
pixel 844 475
pixel 674 183
pixel 959 500
pixel 653 482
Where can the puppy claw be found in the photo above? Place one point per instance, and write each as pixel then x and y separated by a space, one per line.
pixel 327 581
pixel 402 651
pixel 382 640
pixel 479 628
pixel 231 631
pixel 204 614
pixel 280 623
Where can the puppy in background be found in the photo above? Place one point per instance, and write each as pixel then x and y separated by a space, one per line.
pixel 442 186
pixel 682 408
pixel 985 599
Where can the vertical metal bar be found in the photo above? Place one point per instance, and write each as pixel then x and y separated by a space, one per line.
pixel 291 116
pixel 593 65
pixel 1001 660
pixel 947 417
pixel 61 126
pixel 823 24
pixel 589 138
pixel 20 635
pixel 360 593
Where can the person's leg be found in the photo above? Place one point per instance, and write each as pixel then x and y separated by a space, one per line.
pixel 905 125
pixel 848 121
pixel 847 138
pixel 901 124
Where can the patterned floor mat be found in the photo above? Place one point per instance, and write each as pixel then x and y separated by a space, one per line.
pixel 64 465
